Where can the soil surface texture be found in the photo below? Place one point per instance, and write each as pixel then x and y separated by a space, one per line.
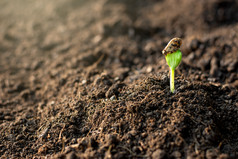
pixel 87 79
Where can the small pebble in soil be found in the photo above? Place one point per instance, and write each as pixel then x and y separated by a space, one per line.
pixel 159 154
pixel 84 82
pixel 113 98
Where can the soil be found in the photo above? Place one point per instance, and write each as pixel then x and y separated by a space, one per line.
pixel 87 79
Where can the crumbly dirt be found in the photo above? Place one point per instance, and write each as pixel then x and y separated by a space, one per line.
pixel 87 79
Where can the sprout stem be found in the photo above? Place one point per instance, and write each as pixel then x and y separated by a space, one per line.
pixel 173 57
pixel 172 79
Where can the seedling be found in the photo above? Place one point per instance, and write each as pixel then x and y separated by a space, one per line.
pixel 173 56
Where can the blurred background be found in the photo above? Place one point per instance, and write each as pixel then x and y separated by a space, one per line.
pixel 130 33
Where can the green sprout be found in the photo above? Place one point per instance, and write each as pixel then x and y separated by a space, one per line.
pixel 173 57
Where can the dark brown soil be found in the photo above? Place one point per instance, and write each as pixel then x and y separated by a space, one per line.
pixel 87 79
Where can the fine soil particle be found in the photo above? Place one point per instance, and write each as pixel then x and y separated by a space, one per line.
pixel 87 79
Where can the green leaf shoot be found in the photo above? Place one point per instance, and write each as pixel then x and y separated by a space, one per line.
pixel 173 60
pixel 173 57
